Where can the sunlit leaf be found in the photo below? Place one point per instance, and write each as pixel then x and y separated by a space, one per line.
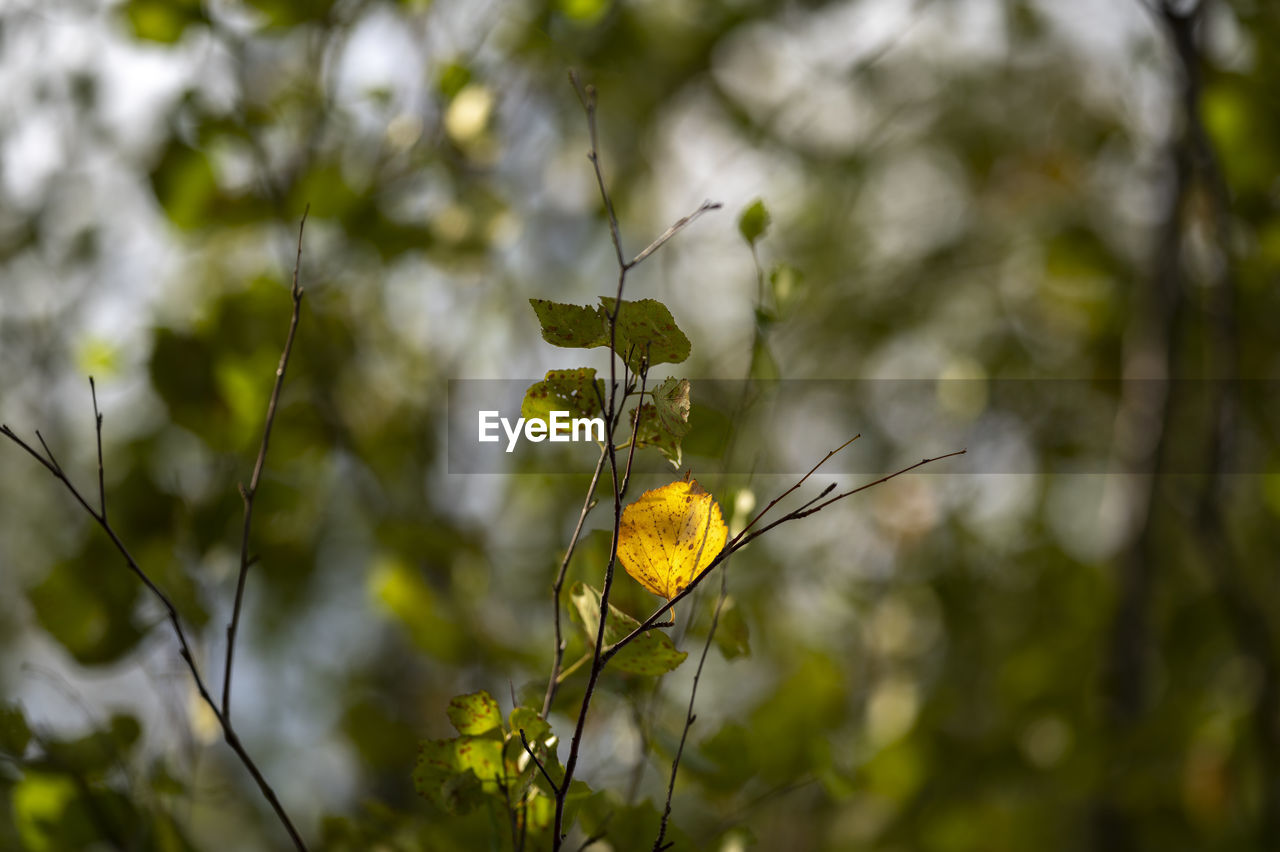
pixel 474 714
pixel 670 535
pixel 571 326
pixel 457 774
pixel 671 403
pixel 583 11
pixel 526 719
pixel 577 392
pixel 39 803
pixel 650 432
pixel 651 653
pixel 646 333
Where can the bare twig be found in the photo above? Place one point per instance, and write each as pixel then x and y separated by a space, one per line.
pixel 741 542
pixel 676 228
pixel 99 515
pixel 97 428
pixel 250 492
pixel 690 717
pixel 538 763
pixel 588 503
pixel 587 97
pixel 184 646
pixel 776 500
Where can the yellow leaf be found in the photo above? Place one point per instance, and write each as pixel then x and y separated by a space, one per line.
pixel 669 536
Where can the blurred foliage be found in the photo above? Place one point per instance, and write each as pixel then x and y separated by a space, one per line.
pixel 967 192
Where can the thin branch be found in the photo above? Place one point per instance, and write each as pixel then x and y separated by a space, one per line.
pixel 776 500
pixel 740 542
pixel 679 225
pixel 635 429
pixel 587 97
pixel 249 493
pixel 184 646
pixel 588 503
pixel 538 763
pixel 690 717
pixel 97 428
pixel 593 840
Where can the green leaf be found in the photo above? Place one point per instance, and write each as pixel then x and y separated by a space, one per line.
pixel 732 637
pixel 14 732
pixel 583 11
pixel 162 20
pixel 652 653
pixel 452 78
pixel 570 326
pixel 754 221
pixel 40 804
pixel 535 728
pixel 86 605
pixel 185 185
pixel 95 754
pixel 650 432
pixel 576 391
pixel 457 774
pixel 475 714
pixel 646 333
pixel 671 403
pixel 538 813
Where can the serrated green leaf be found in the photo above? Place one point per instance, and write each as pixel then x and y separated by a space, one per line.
pixel 474 714
pixel 457 774
pixel 754 221
pixel 535 728
pixel 570 326
pixel 650 432
pixel 652 653
pixel 671 403
pixel 576 391
pixel 646 333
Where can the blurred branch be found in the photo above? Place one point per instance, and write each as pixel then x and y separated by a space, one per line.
pixel 1193 162
pixel 251 491
pixel 50 463
pixel 1143 417
pixel 690 717
pixel 221 714
pixel 1248 617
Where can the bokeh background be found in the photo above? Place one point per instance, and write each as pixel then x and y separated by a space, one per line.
pixel 1065 641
